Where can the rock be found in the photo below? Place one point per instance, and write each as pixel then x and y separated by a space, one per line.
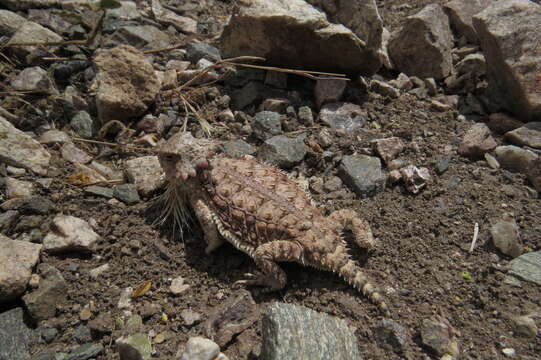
pixel 15 336
pixel 124 301
pixel 509 352
pixel 305 116
pixel 509 37
pixel 329 91
pixel 392 336
pixel 96 272
pixel 438 335
pixel 515 159
pixel 177 286
pixel 527 135
pixel 252 92
pixel 99 191
pixel 525 326
pixel 10 22
pixel 145 37
pixel 82 124
pixel 37 205
pixel 266 124
pixel 15 171
pixel 501 123
pixel 505 236
pixel 7 220
pixel 30 32
pixel 296 332
pixel 199 348
pixel 422 47
pixel 70 234
pixel 384 89
pixel 307 31
pixel 527 267
pixel 127 193
pixel 126 11
pixel 82 334
pixel 474 64
pixel 442 164
pixel 233 316
pixel 283 151
pixel 343 116
pixel 126 83
pixel 275 105
pixel 48 334
pixel 134 347
pixel 34 79
pixel 415 178
pixel 477 141
pixel 20 150
pixel 52 292
pixel 17 259
pixel 85 351
pixel 460 14
pixel 196 51
pixel 18 188
pixel 145 172
pixel 51 137
pixel 534 174
pixel 388 148
pixel 402 82
pixel 362 174
pixel 491 161
pixel 102 324
pixel 190 317
pixel 169 18
pixel 73 154
pixel 238 147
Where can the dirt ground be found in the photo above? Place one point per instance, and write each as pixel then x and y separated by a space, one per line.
pixel 419 263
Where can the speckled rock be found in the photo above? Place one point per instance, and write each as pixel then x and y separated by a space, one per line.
pixel 70 234
pixel 363 174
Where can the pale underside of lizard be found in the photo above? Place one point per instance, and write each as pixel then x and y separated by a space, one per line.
pixel 262 212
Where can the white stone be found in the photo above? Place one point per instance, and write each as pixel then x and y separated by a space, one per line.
pixel 18 188
pixel 178 286
pixel 199 348
pixel 146 173
pixel 96 272
pixel 124 302
pixel 70 234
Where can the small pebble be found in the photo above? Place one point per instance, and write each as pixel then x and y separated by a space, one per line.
pixel 509 352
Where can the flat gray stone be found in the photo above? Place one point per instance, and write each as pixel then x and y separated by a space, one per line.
pixel 529 134
pixel 514 158
pixel 505 236
pixel 127 193
pixel 31 32
pixel 71 234
pixel 15 335
pixel 140 37
pixel 343 116
pixel 238 147
pixel 99 191
pixel 10 22
pixel 266 124
pixel 52 291
pixel 292 332
pixel 527 267
pixel 363 174
pixel 145 172
pixel 82 124
pixel 134 347
pixel 20 150
pixel 283 151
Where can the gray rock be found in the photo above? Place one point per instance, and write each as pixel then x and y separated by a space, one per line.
pixel 126 83
pixel 275 105
pixel 296 332
pixel 438 335
pixel 190 317
pixel 305 116
pixel 70 234
pixel 126 11
pixel 238 147
pixel 140 37
pixel 307 31
pixel 169 18
pixel 384 89
pixel 146 173
pixel 283 151
pixel 17 259
pixel 460 14
pixel 477 141
pixel 362 174
pixel 85 351
pixel 422 47
pixel 82 334
pixel 54 137
pixel 442 164
pixel 37 205
pixel 72 101
pixel 343 116
pixel 527 267
pixel 329 91
pixel 15 336
pixel 529 135
pixel 34 79
pixel 402 82
pixel 515 159
pixel 233 316
pixel 30 32
pixel 49 19
pixel 99 191
pixel 196 51
pixel 392 336
pixel 48 334
pixel 127 193
pixel 52 292
pixel 7 220
pixel 20 150
pixel 505 236
pixel 10 22
pixel 18 188
pixel 82 124
pixel 199 348
pixel 491 161
pixel 266 124
pixel 525 326
pixel 415 178
pixel 501 123
pixel 509 36
pixel 73 154
pixel 134 347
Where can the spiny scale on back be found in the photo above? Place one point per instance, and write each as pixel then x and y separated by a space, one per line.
pixel 262 212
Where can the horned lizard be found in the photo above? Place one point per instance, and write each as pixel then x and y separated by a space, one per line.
pixel 262 212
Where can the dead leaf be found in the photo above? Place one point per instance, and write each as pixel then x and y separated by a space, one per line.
pixel 142 289
pixel 80 178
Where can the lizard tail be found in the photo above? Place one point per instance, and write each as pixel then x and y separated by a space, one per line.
pixel 340 263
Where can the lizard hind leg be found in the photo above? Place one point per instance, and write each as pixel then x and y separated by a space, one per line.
pixel 350 219
pixel 265 256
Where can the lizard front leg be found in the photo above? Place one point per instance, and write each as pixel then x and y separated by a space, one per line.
pixel 210 231
pixel 266 256
pixel 349 219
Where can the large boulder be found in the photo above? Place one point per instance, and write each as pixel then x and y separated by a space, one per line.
pixel 422 47
pixel 509 35
pixel 292 33
pixel 460 14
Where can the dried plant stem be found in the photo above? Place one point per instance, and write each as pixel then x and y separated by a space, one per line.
pixel 305 73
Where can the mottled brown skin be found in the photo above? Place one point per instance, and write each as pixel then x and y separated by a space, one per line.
pixel 263 213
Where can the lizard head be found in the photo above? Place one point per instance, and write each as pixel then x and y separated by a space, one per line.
pixel 182 156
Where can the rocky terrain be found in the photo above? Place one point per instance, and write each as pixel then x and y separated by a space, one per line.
pixel 422 116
